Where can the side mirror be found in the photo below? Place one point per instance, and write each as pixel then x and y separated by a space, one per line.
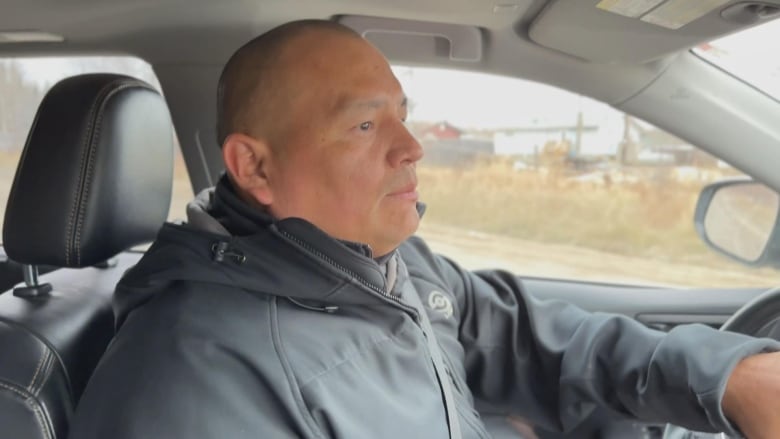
pixel 740 219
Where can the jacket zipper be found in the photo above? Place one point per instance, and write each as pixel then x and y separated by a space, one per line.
pixel 370 286
pixel 393 300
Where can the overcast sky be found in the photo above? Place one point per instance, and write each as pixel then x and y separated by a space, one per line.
pixel 473 100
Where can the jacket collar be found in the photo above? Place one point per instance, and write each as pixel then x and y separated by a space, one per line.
pixel 241 219
pixel 231 243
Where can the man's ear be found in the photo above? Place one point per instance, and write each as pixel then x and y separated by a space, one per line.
pixel 248 162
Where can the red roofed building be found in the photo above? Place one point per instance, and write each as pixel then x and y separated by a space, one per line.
pixel 441 131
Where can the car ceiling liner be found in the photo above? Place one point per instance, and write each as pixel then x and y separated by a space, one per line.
pixel 636 31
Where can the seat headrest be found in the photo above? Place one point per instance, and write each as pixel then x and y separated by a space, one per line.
pixel 95 176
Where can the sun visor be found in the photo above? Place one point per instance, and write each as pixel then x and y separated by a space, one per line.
pixel 632 31
pixel 419 40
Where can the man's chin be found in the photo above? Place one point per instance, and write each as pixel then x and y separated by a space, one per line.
pixel 401 232
pixel 411 223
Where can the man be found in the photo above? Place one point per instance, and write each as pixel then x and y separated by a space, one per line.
pixel 295 304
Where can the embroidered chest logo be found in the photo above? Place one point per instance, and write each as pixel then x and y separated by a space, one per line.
pixel 441 303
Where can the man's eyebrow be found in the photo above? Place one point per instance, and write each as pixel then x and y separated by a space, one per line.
pixel 372 104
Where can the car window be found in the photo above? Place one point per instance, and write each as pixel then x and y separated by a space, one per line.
pixel 543 182
pixel 24 82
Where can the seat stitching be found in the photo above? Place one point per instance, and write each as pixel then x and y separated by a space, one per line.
pixel 45 342
pixel 44 356
pixel 44 376
pixel 74 206
pixel 15 390
pixel 44 413
pixel 93 138
pixel 36 408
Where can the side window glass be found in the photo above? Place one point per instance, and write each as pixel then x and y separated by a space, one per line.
pixel 24 82
pixel 543 182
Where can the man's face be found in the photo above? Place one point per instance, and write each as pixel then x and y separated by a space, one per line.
pixel 347 162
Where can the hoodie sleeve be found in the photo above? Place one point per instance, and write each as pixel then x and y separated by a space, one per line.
pixel 554 363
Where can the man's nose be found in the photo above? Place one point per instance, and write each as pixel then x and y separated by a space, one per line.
pixel 405 149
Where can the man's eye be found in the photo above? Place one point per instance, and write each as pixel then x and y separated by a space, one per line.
pixel 365 126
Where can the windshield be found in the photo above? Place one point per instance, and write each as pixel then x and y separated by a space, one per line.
pixel 750 55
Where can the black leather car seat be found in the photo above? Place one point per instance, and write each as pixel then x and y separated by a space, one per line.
pixel 94 179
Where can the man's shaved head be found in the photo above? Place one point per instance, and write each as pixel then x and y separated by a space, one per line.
pixel 312 126
pixel 252 86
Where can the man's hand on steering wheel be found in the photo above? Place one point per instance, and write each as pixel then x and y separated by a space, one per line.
pixel 752 398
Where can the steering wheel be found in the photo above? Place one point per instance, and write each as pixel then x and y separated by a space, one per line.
pixel 761 318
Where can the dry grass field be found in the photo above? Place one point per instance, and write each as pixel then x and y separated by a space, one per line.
pixel 639 229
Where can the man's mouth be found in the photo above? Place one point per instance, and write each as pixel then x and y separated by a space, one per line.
pixel 406 192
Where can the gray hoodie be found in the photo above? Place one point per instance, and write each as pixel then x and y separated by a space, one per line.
pixel 281 331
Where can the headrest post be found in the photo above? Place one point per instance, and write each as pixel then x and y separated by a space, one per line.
pixel 30 275
pixel 32 286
